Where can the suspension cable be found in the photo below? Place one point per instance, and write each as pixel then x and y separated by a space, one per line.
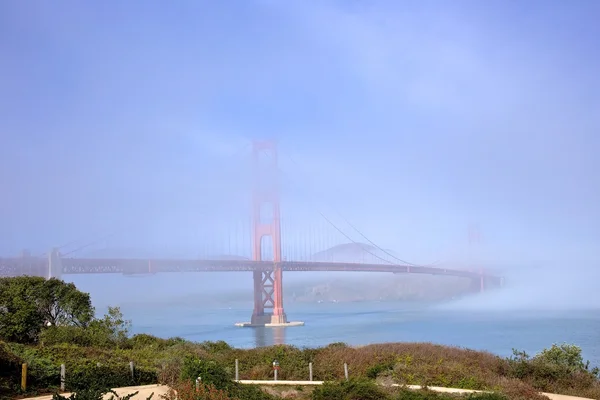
pixel 358 231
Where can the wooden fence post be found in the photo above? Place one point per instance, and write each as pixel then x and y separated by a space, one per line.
pixel 62 377
pixel 237 370
pixel 310 374
pixel 24 377
pixel 346 370
pixel 132 370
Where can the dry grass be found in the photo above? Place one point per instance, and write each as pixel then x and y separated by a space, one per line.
pixel 187 391
pixel 286 392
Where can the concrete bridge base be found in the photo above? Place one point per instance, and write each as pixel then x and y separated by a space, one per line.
pixel 269 324
pixel 269 320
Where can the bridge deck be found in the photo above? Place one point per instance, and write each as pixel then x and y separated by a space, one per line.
pixel 21 266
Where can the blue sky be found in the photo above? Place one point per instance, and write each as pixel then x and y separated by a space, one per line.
pixel 412 119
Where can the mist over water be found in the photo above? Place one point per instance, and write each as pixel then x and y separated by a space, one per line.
pixel 540 289
pixel 426 133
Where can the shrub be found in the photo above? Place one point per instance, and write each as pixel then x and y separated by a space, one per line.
pixel 216 347
pixel 10 370
pixel 42 374
pixel 566 356
pixel 374 371
pixel 257 363
pixel 187 391
pixel 105 377
pixel 519 390
pixel 145 341
pixel 66 334
pixel 171 359
pixel 519 364
pixel 175 340
pixel 209 371
pixel 109 332
pixel 337 345
pixel 406 394
pixel 215 381
pixel 486 396
pixel 170 373
pixel 247 392
pixel 559 368
pixel 351 390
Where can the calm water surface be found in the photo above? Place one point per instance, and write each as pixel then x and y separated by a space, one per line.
pixel 196 308
pixel 376 322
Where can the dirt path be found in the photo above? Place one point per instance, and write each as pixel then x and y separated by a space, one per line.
pixel 144 392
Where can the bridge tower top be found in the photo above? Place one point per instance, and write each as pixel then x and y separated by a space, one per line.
pixel 266 210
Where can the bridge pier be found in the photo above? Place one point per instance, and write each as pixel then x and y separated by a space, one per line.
pixel 268 294
pixel 268 300
pixel 483 283
pixel 54 264
pixel 478 284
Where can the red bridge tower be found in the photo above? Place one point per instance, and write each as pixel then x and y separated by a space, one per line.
pixel 266 238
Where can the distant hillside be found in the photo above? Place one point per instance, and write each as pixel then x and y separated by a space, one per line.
pixel 356 253
pixel 380 287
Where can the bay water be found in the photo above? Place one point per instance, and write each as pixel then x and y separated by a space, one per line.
pixel 190 307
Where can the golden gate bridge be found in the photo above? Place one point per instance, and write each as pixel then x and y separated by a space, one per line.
pixel 266 263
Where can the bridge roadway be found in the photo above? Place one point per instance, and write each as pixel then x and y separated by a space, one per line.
pixel 132 266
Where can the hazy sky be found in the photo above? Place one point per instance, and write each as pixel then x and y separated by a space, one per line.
pixel 413 119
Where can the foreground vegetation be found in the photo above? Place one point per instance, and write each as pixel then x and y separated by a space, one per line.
pixel 97 353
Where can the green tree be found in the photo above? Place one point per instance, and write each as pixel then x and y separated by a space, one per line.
pixel 20 319
pixel 63 304
pixel 113 329
pixel 27 304
pixel 110 331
